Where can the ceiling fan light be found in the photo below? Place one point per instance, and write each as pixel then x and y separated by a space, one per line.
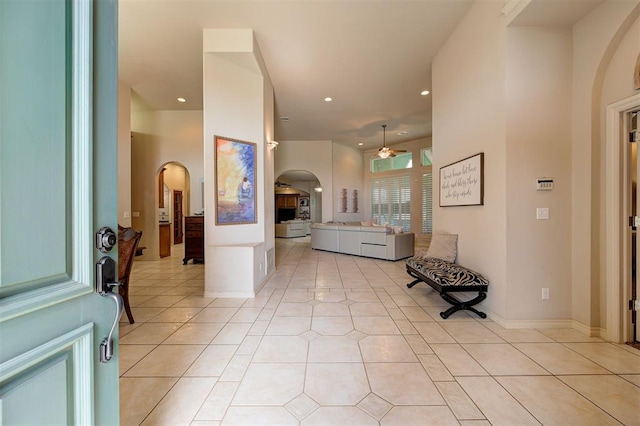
pixel 384 152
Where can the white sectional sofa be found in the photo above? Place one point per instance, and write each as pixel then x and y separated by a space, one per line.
pixel 293 228
pixel 370 241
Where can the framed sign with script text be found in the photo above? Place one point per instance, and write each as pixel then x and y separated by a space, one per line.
pixel 462 183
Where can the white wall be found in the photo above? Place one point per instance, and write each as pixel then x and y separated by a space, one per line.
pixel 534 104
pixel 468 118
pixel 347 174
pixel 538 94
pixel 240 92
pixel 315 157
pixel 124 155
pixel 595 39
pixel 238 104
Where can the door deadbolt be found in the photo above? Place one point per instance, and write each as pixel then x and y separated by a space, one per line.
pixel 106 239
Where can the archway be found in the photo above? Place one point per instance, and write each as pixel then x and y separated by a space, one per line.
pixel 173 204
pixel 303 187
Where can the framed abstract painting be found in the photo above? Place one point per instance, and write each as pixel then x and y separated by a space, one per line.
pixel 235 170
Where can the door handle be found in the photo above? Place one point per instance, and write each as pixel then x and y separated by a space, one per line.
pixel 105 283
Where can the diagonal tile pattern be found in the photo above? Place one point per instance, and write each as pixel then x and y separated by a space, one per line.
pixel 333 339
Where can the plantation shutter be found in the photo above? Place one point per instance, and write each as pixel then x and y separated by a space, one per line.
pixel 427 203
pixel 391 201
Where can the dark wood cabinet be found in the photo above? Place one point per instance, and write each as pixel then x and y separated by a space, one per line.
pixel 287 201
pixel 193 239
pixel 165 240
pixel 286 207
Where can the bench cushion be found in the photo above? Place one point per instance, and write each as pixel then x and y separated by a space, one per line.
pixel 446 273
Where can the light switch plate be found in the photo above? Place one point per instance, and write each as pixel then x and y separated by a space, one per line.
pixel 542 213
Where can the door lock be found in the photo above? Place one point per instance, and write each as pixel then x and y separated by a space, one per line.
pixel 106 239
pixel 105 283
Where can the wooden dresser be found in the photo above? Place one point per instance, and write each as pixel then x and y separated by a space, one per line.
pixel 193 239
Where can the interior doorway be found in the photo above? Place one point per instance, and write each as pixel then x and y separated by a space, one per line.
pixel 620 201
pixel 177 208
pixel 173 204
pixel 633 134
pixel 298 196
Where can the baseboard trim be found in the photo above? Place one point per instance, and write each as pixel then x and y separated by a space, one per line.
pixel 550 323
pixel 229 295
pixel 545 323
pixel 264 282
pixel 590 331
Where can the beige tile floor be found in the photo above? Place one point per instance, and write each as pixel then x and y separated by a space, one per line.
pixel 339 340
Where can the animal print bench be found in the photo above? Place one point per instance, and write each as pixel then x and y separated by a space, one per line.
pixel 446 277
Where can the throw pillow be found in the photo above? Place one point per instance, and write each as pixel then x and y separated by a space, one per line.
pixel 443 246
pixel 366 223
pixel 398 229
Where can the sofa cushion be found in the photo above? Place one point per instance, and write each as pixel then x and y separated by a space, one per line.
pixel 397 229
pixel 443 246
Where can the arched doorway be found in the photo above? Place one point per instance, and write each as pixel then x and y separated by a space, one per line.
pixel 303 187
pixel 174 193
pixel 298 195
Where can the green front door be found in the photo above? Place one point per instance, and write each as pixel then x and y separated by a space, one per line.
pixel 58 167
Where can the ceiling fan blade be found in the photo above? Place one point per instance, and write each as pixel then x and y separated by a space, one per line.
pixel 399 150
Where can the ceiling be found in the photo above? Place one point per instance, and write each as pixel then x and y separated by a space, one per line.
pixel 372 57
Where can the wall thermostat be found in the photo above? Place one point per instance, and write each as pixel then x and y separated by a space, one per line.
pixel 544 184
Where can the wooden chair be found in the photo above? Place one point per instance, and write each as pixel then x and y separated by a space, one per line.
pixel 128 239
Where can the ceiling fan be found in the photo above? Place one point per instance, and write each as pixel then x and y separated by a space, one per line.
pixel 279 184
pixel 385 151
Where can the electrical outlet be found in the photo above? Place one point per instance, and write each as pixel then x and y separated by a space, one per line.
pixel 545 294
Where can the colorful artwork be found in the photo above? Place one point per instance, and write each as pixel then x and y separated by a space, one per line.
pixel 235 181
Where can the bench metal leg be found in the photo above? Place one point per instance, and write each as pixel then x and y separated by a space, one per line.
pixel 460 305
pixel 414 282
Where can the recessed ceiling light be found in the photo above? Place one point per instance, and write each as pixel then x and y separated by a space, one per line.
pixel 424 92
pixel 402 133
pixel 182 100
pixel 328 99
pixel 360 143
pixel 284 118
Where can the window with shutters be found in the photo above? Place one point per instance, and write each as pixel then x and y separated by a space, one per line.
pixel 427 203
pixel 391 200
